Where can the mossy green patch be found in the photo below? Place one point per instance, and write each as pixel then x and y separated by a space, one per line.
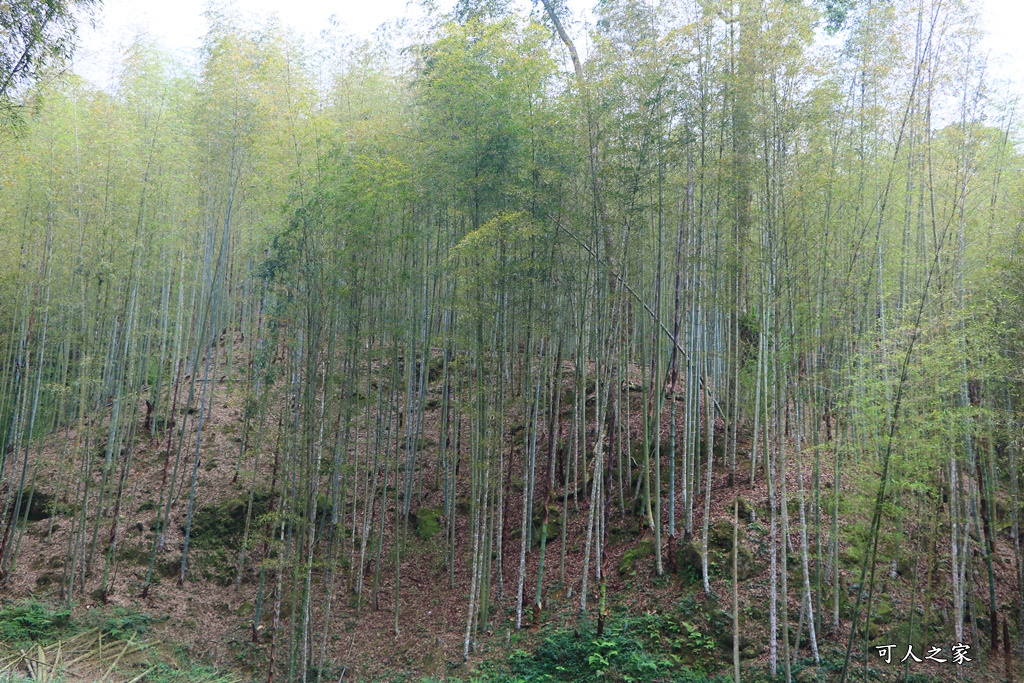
pixel 222 524
pixel 688 559
pixel 38 504
pixel 720 535
pixel 630 559
pixel 429 521
pixel 552 530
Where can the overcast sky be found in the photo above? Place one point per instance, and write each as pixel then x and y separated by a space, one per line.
pixel 179 24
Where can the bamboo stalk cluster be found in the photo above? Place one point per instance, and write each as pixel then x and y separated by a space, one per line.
pixel 460 287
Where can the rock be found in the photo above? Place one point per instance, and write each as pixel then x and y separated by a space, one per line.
pixel 872 632
pixel 617 534
pixel 905 565
pixel 47 579
pixel 222 525
pixel 806 675
pixel 435 369
pixel 40 507
pixel 881 612
pixel 554 526
pixel 720 625
pixel 720 535
pixel 428 522
pixel 688 557
pixel 746 565
pixel 745 509
pixel 643 550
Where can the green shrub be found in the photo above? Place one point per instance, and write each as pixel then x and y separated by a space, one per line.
pixel 652 647
pixel 30 620
pixel 121 623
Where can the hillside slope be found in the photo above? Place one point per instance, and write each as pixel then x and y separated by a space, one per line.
pixel 668 619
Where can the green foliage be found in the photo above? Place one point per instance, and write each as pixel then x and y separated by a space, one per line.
pixel 33 621
pixel 478 88
pixel 196 673
pixel 646 648
pixel 36 34
pixel 500 254
pixel 121 623
pixel 835 13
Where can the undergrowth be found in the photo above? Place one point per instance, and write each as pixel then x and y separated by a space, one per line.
pixel 33 621
pixel 651 647
pixel 194 674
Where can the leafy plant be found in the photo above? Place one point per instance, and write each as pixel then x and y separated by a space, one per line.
pixel 196 673
pixel 652 647
pixel 121 623
pixel 31 620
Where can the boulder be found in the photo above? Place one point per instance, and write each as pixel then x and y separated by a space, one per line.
pixel 644 549
pixel 688 557
pixel 746 565
pixel 720 535
pixel 429 521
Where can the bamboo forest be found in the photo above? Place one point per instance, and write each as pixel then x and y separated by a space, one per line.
pixel 680 344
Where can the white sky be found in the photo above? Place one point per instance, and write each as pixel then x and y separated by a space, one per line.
pixel 179 24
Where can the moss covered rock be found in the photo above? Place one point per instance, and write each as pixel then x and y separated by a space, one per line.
pixel 633 556
pixel 688 557
pixel 554 525
pixel 881 612
pixel 720 627
pixel 746 565
pixel 38 504
pixel 429 521
pixel 720 535
pixel 222 525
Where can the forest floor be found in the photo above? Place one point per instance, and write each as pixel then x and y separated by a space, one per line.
pixel 209 617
